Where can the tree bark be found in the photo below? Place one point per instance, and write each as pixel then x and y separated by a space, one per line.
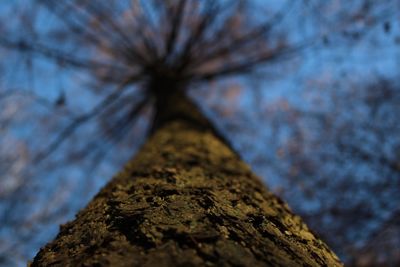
pixel 186 199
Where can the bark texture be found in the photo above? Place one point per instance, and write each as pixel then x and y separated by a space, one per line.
pixel 186 199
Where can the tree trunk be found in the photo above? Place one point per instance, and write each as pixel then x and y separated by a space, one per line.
pixel 186 199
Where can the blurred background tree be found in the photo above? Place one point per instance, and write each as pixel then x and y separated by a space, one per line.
pixel 318 122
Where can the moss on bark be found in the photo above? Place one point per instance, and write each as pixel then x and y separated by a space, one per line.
pixel 186 199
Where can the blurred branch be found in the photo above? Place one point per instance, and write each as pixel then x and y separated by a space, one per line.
pixel 250 64
pixel 79 121
pixel 58 56
pixel 46 103
pixel 175 24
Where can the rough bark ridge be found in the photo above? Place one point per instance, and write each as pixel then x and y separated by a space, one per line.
pixel 185 200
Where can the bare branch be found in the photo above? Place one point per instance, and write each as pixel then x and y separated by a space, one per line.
pixel 79 121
